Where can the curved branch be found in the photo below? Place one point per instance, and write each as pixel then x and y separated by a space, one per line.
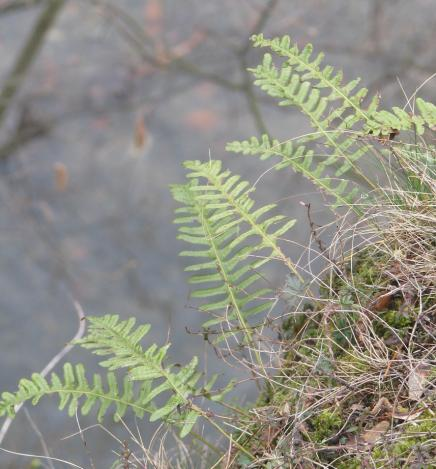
pixel 52 363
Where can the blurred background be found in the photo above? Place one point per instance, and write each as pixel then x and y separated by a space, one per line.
pixel 99 105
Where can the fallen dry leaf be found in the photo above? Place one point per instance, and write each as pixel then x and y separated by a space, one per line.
pixel 286 410
pixel 185 47
pixel 142 138
pixel 380 302
pixel 382 405
pixel 406 414
pixel 61 176
pixel 375 433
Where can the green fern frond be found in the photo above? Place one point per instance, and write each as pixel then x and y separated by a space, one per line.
pixel 119 341
pixel 218 217
pixel 308 69
pixel 300 159
pixel 75 386
pixel 334 109
pixel 428 112
pixel 108 335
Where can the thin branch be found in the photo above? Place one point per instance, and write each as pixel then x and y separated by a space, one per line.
pixel 40 437
pixel 262 19
pixel 52 363
pixel 137 37
pixel 28 54
pixel 21 137
pixel 15 5
pixel 37 456
pixel 252 101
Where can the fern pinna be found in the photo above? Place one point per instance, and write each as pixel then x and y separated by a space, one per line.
pixel 217 218
pixel 118 340
pixel 339 118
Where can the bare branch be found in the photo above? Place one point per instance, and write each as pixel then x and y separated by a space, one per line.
pixel 52 363
pixel 28 54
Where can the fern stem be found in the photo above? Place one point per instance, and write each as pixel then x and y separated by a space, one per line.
pixel 203 440
pixel 317 181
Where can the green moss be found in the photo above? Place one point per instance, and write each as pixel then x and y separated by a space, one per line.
pixel 412 437
pixel 349 464
pixel 362 277
pixel 312 364
pixel 396 320
pixel 325 425
pixel 352 364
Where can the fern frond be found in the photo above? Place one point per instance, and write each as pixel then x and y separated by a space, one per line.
pixel 428 112
pixel 334 109
pixel 300 159
pixel 119 341
pixel 308 69
pixel 218 218
pixel 109 336
pixel 75 386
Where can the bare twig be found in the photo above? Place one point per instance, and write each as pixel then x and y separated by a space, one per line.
pixel 28 54
pixel 262 19
pixel 41 438
pixel 24 133
pixel 52 363
pixel 252 101
pixel 37 456
pixel 82 437
pixel 15 5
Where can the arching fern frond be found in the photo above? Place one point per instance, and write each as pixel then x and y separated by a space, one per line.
pixel 336 111
pixel 334 108
pixel 301 159
pixel 310 70
pixel 74 386
pixel 119 341
pixel 218 217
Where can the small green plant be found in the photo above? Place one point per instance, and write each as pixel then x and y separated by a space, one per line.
pixel 347 340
